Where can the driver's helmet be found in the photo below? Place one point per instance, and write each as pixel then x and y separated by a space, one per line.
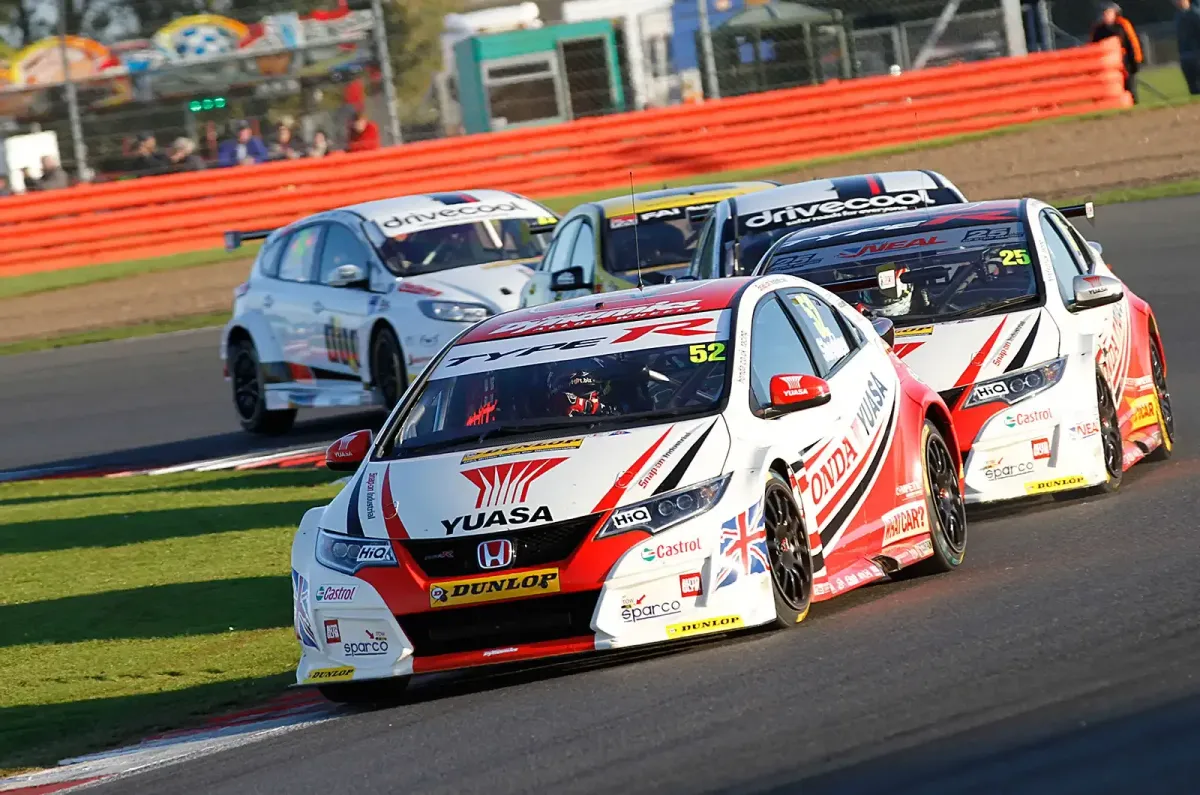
pixel 887 302
pixel 578 392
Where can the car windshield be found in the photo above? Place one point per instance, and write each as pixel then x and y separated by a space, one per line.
pixel 504 398
pixel 912 279
pixel 664 237
pixel 447 247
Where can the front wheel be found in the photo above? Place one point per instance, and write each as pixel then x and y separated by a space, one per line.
pixel 387 367
pixel 372 691
pixel 787 548
pixel 1166 417
pixel 945 504
pixel 250 395
pixel 1110 439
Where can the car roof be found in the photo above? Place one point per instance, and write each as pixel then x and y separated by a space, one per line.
pixel 382 210
pixel 669 198
pixel 655 301
pixel 842 188
pixel 945 216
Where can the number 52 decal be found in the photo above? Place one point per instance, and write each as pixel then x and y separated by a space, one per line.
pixel 711 352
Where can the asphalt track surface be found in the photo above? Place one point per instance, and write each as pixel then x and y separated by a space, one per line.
pixel 1062 657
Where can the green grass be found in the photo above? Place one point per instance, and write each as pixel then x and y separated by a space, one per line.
pixel 28 284
pixel 181 323
pixel 135 605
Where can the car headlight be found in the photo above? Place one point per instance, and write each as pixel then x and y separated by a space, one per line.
pixel 348 554
pixel 666 510
pixel 454 311
pixel 1016 386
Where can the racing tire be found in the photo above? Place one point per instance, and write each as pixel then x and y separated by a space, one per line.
pixel 945 505
pixel 787 549
pixel 387 367
pixel 250 394
pixel 1111 443
pixel 374 691
pixel 1166 417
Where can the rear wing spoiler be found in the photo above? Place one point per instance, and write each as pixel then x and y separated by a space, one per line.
pixel 234 240
pixel 1086 210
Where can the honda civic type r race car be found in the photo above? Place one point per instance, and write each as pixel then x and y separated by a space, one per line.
pixel 346 307
pixel 637 468
pixel 740 229
pixel 1054 370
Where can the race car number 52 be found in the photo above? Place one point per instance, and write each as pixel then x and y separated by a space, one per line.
pixel 711 352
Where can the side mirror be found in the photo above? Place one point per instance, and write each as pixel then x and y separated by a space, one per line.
pixel 885 329
pixel 347 453
pixel 1096 247
pixel 658 278
pixel 1094 291
pixel 795 392
pixel 568 279
pixel 348 276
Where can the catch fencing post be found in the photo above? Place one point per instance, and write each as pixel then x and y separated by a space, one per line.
pixel 81 168
pixel 1014 27
pixel 385 73
pixel 710 63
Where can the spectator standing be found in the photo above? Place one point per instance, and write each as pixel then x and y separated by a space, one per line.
pixel 53 176
pixel 363 134
pixel 320 144
pixel 1187 33
pixel 353 98
pixel 1111 25
pixel 147 160
pixel 243 149
pixel 284 146
pixel 183 156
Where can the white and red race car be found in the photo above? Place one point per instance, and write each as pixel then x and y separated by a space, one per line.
pixel 628 469
pixel 1055 371
pixel 347 307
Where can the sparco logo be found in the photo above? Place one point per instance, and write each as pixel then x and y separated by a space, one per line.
pixel 457 211
pixel 639 612
pixel 1000 471
pixel 806 213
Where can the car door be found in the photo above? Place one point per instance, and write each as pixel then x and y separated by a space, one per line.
pixel 556 259
pixel 293 320
pixel 341 310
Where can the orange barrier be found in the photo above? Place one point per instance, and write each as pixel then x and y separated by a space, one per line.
pixel 152 216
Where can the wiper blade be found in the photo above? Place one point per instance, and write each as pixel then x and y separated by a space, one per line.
pixel 486 432
pixel 987 309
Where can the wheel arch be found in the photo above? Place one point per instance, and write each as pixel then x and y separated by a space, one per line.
pixel 1156 339
pixel 368 374
pixel 937 413
pixel 254 327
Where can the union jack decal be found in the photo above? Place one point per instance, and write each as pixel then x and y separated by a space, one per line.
pixel 303 628
pixel 744 546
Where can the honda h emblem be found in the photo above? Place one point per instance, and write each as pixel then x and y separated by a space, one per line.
pixel 495 554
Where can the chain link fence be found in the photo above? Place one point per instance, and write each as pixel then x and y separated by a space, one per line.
pixel 162 88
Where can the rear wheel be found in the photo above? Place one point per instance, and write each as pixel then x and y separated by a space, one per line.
pixel 787 548
pixel 945 504
pixel 374 691
pixel 387 367
pixel 250 394
pixel 1166 417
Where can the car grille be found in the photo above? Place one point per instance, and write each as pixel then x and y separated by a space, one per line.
pixel 455 557
pixel 508 624
pixel 951 396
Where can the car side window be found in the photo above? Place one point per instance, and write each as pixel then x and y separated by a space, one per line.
pixel 342 247
pixel 300 254
pixel 559 257
pixel 1084 255
pixel 268 258
pixel 822 327
pixel 702 265
pixel 583 253
pixel 1061 259
pixel 775 349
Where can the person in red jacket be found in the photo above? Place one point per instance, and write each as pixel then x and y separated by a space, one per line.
pixel 363 134
pixel 1112 24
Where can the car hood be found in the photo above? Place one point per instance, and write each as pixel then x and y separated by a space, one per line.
pixel 525 484
pixel 497 285
pixel 955 354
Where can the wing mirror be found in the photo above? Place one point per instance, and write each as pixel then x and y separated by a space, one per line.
pixel 568 279
pixel 1096 247
pixel 348 276
pixel 795 392
pixel 347 453
pixel 1094 291
pixel 885 329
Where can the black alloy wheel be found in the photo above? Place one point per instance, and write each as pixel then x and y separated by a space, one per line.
pixel 1110 436
pixel 1166 415
pixel 387 367
pixel 249 393
pixel 787 548
pixel 946 506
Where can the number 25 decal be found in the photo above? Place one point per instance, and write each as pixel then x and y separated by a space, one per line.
pixel 1014 256
pixel 712 352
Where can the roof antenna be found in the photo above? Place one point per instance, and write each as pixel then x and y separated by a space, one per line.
pixel 637 249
